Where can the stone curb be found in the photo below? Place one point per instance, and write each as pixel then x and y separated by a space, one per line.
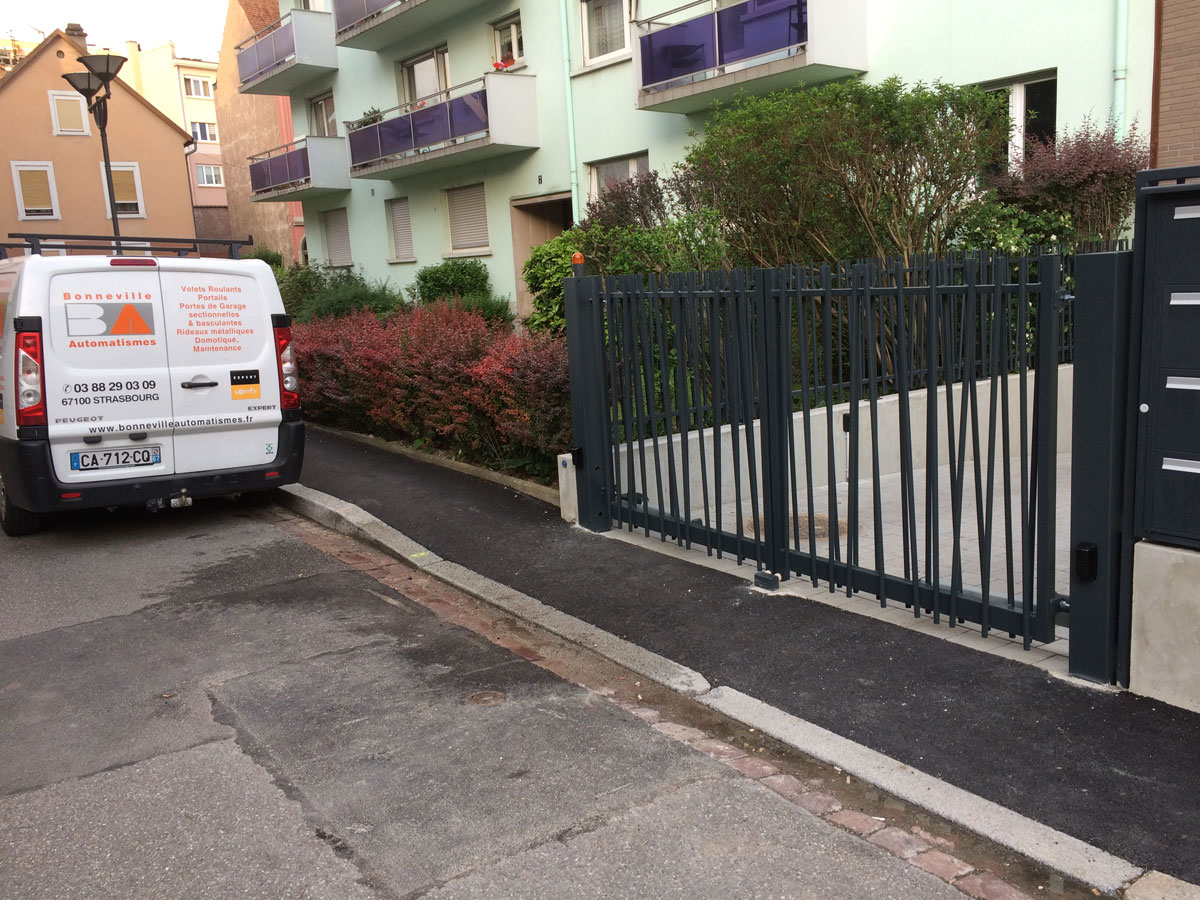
pixel 542 492
pixel 1044 845
pixel 351 520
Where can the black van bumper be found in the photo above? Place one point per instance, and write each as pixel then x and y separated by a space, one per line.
pixel 28 475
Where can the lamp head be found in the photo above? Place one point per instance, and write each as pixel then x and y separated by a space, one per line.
pixel 86 83
pixel 104 66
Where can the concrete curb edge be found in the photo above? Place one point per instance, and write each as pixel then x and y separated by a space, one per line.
pixel 1044 845
pixel 351 520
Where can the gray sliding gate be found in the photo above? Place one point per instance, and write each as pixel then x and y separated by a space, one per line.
pixel 884 428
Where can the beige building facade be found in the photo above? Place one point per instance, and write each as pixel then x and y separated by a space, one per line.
pixel 184 89
pixel 54 181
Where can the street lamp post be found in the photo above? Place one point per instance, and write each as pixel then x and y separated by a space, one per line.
pixel 101 70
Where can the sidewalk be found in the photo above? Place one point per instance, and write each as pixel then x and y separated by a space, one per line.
pixel 1109 768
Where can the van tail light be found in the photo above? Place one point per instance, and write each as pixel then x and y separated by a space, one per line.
pixel 31 384
pixel 289 380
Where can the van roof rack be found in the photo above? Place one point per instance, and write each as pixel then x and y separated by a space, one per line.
pixel 154 246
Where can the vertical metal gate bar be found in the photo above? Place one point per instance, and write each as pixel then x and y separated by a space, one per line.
pixel 663 429
pixel 875 344
pixel 750 394
pixel 833 529
pixel 695 307
pixel 635 309
pixel 933 327
pixel 652 354
pixel 1006 334
pixel 775 386
pixel 683 402
pixel 610 337
pixel 628 352
pixel 789 307
pixel 732 331
pixel 856 302
pixel 806 310
pixel 976 370
pixel 1046 413
pixel 1026 523
pixel 715 343
pixel 908 513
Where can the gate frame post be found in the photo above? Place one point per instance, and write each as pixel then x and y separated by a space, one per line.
pixel 775 396
pixel 1100 426
pixel 589 400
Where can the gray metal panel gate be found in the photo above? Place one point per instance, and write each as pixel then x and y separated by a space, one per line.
pixel 717 410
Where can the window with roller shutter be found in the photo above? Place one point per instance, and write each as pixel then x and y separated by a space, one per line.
pixel 336 226
pixel 401 225
pixel 68 114
pixel 127 190
pixel 468 218
pixel 37 197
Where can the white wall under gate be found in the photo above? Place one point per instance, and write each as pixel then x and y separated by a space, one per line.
pixel 702 482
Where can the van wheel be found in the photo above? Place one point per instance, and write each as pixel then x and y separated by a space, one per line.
pixel 258 498
pixel 15 521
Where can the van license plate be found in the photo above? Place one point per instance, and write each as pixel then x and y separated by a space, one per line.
pixel 115 459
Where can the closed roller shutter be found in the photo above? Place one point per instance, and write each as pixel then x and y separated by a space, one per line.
pixel 35 192
pixel 69 112
pixel 402 240
pixel 337 236
pixel 468 218
pixel 125 191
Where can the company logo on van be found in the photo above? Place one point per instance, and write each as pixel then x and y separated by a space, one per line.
pixel 96 319
pixel 245 384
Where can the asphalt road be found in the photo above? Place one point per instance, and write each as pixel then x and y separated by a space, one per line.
pixel 200 704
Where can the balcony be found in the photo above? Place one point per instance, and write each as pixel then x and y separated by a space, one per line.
pixel 494 115
pixel 374 24
pixel 287 54
pixel 309 167
pixel 757 46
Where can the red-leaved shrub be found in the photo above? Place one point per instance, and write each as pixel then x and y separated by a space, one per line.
pixel 524 386
pixel 439 373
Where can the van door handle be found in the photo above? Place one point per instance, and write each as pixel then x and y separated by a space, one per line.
pixel 198 384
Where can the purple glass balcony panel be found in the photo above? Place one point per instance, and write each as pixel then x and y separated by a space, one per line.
pixel 678 51
pixel 757 28
pixel 395 136
pixel 430 125
pixel 348 12
pixel 364 145
pixel 277 171
pixel 469 114
pixel 267 53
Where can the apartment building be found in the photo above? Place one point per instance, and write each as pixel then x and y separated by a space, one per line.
pixel 184 90
pixel 56 179
pixel 433 129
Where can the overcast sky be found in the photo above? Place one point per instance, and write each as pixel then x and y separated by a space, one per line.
pixel 194 25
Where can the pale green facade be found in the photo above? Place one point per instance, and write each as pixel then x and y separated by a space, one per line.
pixel 1093 57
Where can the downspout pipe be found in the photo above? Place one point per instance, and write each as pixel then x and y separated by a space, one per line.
pixel 1120 67
pixel 572 156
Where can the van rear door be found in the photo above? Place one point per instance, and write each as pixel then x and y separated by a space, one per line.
pixel 108 399
pixel 224 371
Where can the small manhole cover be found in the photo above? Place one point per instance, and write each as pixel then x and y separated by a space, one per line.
pixel 487 698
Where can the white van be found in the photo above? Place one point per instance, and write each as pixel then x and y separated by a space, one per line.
pixel 135 380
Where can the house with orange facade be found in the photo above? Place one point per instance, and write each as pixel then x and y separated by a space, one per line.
pixel 55 180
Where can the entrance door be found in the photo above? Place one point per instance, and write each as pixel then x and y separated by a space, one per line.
pixel 534 222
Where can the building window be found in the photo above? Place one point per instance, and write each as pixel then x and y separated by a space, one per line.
pixel 324 119
pixel 1033 112
pixel 468 218
pixel 205 131
pixel 127 190
pixel 336 225
pixel 508 44
pixel 617 170
pixel 209 176
pixel 605 27
pixel 37 196
pixel 197 87
pixel 401 226
pixel 426 76
pixel 68 113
